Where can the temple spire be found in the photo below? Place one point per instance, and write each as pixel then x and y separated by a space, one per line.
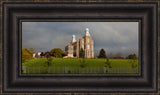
pixel 87 32
pixel 73 38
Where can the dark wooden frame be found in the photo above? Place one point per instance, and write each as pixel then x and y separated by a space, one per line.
pixel 13 82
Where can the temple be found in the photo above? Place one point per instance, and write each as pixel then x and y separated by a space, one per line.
pixel 86 43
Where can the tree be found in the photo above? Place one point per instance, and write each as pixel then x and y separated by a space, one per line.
pixel 57 52
pixel 102 53
pixel 81 53
pixel 108 63
pixel 26 55
pixel 131 56
pixel 31 50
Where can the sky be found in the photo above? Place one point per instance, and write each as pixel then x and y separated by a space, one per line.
pixel 111 36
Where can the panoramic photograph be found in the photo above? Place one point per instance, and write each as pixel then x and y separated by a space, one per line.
pixel 80 48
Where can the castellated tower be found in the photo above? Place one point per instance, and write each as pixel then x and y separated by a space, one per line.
pixel 86 43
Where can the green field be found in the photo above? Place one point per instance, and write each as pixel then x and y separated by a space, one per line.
pixel 79 66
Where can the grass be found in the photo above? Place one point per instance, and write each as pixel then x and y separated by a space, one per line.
pixel 74 65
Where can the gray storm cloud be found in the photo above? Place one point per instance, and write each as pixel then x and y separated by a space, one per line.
pixel 112 36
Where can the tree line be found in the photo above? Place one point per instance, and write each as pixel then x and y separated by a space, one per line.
pixel 59 53
pixel 102 54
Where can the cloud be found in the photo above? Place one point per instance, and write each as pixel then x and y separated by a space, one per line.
pixel 112 36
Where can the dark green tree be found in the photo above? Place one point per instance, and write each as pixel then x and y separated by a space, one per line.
pixel 107 64
pixel 102 53
pixel 131 56
pixel 133 59
pixel 57 52
pixel 81 53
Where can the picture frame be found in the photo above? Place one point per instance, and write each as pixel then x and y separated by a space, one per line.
pixel 13 82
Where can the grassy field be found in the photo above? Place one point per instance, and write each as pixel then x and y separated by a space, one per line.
pixel 78 65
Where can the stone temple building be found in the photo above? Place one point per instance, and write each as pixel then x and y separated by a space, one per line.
pixel 86 43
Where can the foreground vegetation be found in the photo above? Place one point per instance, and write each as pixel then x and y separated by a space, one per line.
pixel 79 65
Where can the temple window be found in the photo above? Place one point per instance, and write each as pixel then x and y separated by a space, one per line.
pixel 88 46
pixel 88 53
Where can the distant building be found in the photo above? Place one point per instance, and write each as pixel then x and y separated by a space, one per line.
pixel 37 55
pixel 34 55
pixel 86 43
pixel 42 55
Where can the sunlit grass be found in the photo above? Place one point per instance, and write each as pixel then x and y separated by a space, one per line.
pixel 73 65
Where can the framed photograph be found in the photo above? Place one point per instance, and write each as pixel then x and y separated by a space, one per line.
pixel 80 47
pixel 52 47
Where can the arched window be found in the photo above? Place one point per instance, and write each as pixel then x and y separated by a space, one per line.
pixel 88 53
pixel 88 40
pixel 88 46
pixel 83 46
